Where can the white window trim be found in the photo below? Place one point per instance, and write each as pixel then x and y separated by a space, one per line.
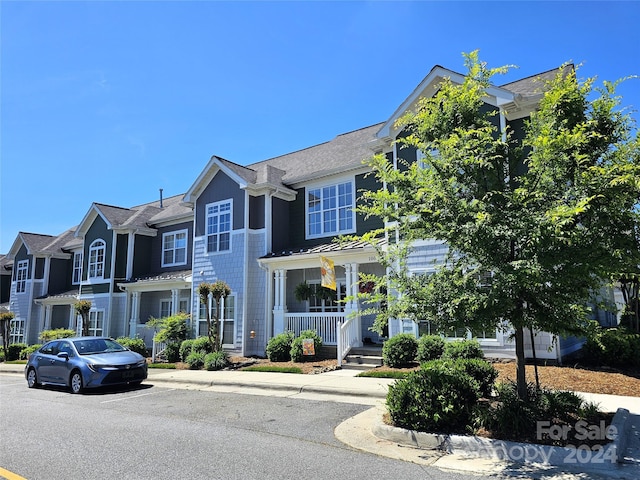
pixel 77 268
pixel 321 186
pixel 22 274
pixel 95 313
pixel 165 301
pixel 203 319
pixel 206 227
pixel 93 247
pixel 186 247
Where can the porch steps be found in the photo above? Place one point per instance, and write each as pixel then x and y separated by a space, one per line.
pixel 363 358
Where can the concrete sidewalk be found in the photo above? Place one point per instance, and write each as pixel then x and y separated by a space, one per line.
pixel 367 431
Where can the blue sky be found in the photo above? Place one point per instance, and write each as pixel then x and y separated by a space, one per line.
pixel 110 101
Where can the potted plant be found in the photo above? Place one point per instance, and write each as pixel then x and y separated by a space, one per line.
pixel 302 291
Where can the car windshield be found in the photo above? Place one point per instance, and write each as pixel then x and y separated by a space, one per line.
pixel 97 345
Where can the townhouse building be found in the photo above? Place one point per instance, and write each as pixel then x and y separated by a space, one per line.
pixel 262 229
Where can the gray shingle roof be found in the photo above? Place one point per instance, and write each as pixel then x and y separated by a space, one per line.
pixel 534 84
pixel 345 151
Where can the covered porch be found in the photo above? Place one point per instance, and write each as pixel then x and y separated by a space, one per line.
pixel 156 296
pixel 297 302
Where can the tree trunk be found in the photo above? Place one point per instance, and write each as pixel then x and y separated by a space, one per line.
pixel 535 359
pixel 521 374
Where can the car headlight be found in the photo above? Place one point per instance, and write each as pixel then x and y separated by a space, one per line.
pixel 93 367
pixel 141 363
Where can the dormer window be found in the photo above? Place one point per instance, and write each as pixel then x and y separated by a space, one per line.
pixel 330 210
pixel 96 259
pixel 174 248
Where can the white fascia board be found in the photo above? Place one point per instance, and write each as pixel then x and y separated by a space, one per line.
pixel 156 285
pixel 312 260
pixel 213 166
pixel 495 96
pixel 278 191
pixel 336 173
pixel 88 219
pixel 149 232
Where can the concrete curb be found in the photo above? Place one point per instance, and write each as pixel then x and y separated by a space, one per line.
pixel 513 452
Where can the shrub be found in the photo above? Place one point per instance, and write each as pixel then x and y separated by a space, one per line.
pixel 430 347
pixel 134 344
pixel 512 418
pixel 400 350
pixel 482 372
pixel 202 344
pixel 25 352
pixel 13 352
pixel 216 360
pixel 615 347
pixel 296 351
pixel 48 335
pixel 195 360
pixel 463 349
pixel 172 352
pixel 279 347
pixel 439 397
pixel 185 349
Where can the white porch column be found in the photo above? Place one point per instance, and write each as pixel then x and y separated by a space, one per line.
pixel 48 309
pixel 352 307
pixel 135 313
pixel 175 301
pixel 280 300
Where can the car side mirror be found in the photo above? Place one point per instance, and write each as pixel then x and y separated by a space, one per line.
pixel 64 355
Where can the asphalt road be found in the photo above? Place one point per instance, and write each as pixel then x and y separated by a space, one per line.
pixel 154 432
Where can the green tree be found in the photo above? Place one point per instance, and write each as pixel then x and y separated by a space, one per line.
pixel 218 291
pixel 5 329
pixel 534 227
pixel 82 308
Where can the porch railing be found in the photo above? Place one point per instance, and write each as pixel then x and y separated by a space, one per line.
pixel 323 323
pixel 347 332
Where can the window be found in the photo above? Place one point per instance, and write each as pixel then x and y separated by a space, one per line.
pixel 77 268
pixel 330 210
pixel 326 300
pixel 226 323
pixel 96 259
pixel 165 308
pixel 96 320
pixel 219 226
pixel 21 276
pixel 174 248
pixel 16 333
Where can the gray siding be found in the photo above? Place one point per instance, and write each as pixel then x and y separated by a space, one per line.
pixel 59 275
pixel 156 247
pixel 221 188
pixel 281 224
pixel 98 230
pixel 256 212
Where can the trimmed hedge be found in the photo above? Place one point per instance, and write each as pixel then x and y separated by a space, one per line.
pixel 296 351
pixel 439 397
pixel 400 350
pixel 463 349
pixel 430 347
pixel 279 347
pixel 216 360
pixel 134 344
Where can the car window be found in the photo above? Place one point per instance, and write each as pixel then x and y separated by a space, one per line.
pixel 65 347
pixel 50 348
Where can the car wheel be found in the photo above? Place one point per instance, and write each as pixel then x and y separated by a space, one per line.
pixel 76 382
pixel 32 378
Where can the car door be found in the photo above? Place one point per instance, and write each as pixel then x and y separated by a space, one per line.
pixel 60 366
pixel 45 361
